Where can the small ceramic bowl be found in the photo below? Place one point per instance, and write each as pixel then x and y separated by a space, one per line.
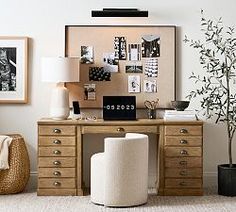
pixel 180 105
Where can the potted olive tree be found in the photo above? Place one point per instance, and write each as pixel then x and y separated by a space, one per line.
pixel 217 88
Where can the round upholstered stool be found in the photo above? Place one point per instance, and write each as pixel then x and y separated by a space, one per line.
pixel 14 179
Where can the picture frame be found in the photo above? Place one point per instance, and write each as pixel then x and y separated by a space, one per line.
pixel 13 69
pixel 164 72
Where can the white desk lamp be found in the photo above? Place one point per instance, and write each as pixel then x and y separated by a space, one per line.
pixel 60 70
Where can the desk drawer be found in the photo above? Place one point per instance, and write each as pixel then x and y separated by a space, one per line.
pixel 56 183
pixel 183 162
pixel 183 141
pixel 183 173
pixel 183 130
pixel 56 141
pixel 57 162
pixel 56 172
pixel 183 183
pixel 57 151
pixel 119 129
pixel 56 130
pixel 183 151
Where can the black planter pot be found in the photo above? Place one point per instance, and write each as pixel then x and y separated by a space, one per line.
pixel 227 180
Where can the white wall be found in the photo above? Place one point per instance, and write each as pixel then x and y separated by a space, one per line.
pixel 43 21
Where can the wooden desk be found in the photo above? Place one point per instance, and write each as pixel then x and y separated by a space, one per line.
pixel 179 148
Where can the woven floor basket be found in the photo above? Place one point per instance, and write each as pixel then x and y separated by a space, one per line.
pixel 14 179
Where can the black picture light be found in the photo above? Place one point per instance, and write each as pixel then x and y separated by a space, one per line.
pixel 119 12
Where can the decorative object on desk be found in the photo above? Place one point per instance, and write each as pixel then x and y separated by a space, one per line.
pixel 151 107
pixel 175 115
pixel 13 69
pixel 217 88
pixel 57 70
pixel 119 12
pixel 180 105
pixel 86 55
pixel 119 107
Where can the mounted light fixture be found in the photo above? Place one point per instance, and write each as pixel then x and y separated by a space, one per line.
pixel 119 12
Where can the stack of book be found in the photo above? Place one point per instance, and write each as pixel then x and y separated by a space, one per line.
pixel 174 115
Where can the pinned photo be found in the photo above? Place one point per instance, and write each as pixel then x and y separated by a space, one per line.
pixel 110 62
pixel 151 67
pixel 90 92
pixel 151 46
pixel 134 51
pixel 133 84
pixel 86 55
pixel 134 68
pixel 120 48
pixel 150 85
pixel 99 74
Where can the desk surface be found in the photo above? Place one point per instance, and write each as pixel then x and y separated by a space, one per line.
pixel 118 122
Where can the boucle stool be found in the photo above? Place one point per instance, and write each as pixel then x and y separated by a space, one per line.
pixel 119 176
pixel 14 179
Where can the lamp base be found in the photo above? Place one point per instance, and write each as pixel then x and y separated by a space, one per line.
pixel 59 108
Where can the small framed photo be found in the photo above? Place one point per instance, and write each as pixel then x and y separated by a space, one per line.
pixel 150 86
pixel 134 84
pixel 13 69
pixel 86 55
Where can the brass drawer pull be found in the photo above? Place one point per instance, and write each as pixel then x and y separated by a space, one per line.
pixel 183 141
pixel 183 152
pixel 183 162
pixel 56 152
pixel 56 183
pixel 183 173
pixel 56 163
pixel 57 142
pixel 120 129
pixel 183 183
pixel 57 173
pixel 183 130
pixel 57 130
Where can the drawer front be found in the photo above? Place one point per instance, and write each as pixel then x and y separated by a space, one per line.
pixel 56 192
pixel 183 162
pixel 183 130
pixel 56 141
pixel 183 183
pixel 56 130
pixel 183 151
pixel 56 183
pixel 183 173
pixel 57 162
pixel 119 129
pixel 56 172
pixel 57 151
pixel 183 141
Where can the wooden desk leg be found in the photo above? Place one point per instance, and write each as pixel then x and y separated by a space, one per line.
pixel 160 162
pixel 80 191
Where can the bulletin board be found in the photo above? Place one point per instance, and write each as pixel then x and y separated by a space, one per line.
pixel 145 54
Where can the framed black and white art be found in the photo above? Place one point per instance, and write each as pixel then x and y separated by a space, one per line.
pixel 13 69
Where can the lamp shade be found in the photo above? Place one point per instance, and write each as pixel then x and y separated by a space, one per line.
pixel 60 69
